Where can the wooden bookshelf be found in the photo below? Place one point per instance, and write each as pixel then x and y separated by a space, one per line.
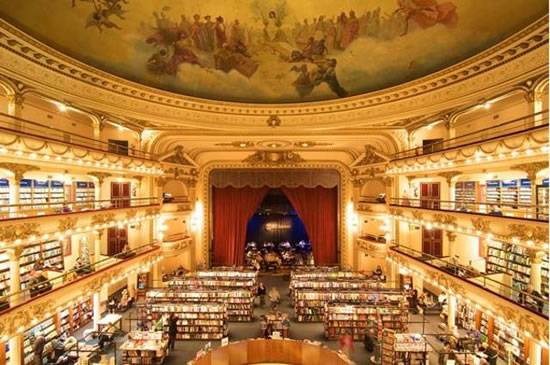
pixel 204 321
pixel 144 348
pixel 240 303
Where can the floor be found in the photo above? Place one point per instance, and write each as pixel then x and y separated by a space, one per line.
pixel 185 350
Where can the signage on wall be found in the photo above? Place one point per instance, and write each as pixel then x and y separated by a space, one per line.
pixel 276 226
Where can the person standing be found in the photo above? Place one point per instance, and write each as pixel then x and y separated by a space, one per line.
pixel 261 291
pixel 172 331
pixel 346 343
pixel 38 347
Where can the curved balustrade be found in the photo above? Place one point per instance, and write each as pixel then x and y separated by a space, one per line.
pixel 59 279
pixel 515 210
pixel 41 130
pixel 448 265
pixel 15 211
pixel 507 129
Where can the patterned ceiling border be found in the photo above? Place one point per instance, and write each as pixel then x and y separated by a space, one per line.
pixel 40 66
pixel 344 194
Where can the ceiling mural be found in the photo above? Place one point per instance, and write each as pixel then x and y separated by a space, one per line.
pixel 271 51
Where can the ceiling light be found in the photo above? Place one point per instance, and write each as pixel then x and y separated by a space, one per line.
pixel 62 107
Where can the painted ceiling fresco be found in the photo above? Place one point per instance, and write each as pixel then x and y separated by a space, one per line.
pixel 271 51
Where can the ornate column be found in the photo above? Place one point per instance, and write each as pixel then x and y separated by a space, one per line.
pixel 97 309
pixel 97 245
pixel 16 350
pixel 100 176
pixel 451 310
pixel 534 101
pixel 15 106
pixel 139 178
pixel 536 269
pixel 15 275
pixel 18 171
pixel 535 353
pixel 449 175
pixel 532 169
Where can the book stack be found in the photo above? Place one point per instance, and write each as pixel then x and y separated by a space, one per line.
pixel 144 348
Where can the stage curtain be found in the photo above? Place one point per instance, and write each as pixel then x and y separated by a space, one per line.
pixel 232 208
pixel 317 208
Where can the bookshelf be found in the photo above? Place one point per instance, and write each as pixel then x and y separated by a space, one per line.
pixel 84 193
pixel 144 348
pixel 49 253
pixel 515 261
pixel 4 274
pixel 204 321
pixel 388 342
pixel 466 194
pixel 49 331
pixel 309 306
pixel 465 316
pixel 503 335
pixel 324 274
pixel 190 282
pixel 240 303
pixel 4 195
pixel 410 348
pixel 359 319
pixel 223 274
pixel 39 193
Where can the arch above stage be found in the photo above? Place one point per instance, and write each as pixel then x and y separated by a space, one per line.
pixel 256 178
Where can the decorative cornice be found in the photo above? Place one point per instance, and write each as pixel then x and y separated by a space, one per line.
pixel 274 158
pixel 131 213
pixel 417 214
pixel 38 64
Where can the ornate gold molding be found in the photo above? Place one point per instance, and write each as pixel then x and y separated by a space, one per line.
pixel 273 158
pixel 177 157
pixel 482 225
pixel 103 218
pixel 417 214
pixel 131 213
pixel 397 212
pixel 19 170
pixel 100 176
pixel 273 121
pixel 152 211
pixel 184 207
pixel 371 157
pixel 447 281
pixel 525 322
pixel 373 249
pixel 66 223
pixel 20 231
pixel 448 175
pixel 538 235
pixel 531 168
pixel 10 324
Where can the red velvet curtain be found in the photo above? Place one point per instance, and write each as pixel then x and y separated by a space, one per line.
pixel 232 208
pixel 317 208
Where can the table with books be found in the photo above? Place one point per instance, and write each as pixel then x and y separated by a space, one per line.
pixel 144 348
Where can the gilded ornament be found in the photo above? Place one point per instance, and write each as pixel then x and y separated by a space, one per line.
pixel 449 175
pixel 273 158
pixel 417 214
pixel 482 225
pixel 536 234
pixel 371 157
pixel 100 176
pixel 445 219
pixel 131 213
pixel 67 223
pixel 103 218
pixel 21 231
pixel 531 168
pixel 18 169
pixel 183 208
pixel 177 157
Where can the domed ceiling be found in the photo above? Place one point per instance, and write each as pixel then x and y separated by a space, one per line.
pixel 271 51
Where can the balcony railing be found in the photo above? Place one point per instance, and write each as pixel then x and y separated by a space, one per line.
pixel 39 209
pixel 42 131
pixel 507 129
pixel 513 210
pixel 527 300
pixel 41 285
pixel 372 199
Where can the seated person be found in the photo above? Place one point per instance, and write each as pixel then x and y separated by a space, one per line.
pixel 111 305
pixel 428 301
pixel 180 271
pixel 378 272
pixel 495 210
pixel 381 198
pixel 123 303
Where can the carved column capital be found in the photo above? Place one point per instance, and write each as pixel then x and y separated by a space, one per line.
pixel 532 96
pixel 18 170
pixel 16 99
pixel 449 175
pixel 101 176
pixel 531 168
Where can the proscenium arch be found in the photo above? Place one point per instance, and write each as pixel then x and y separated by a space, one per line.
pixel 345 245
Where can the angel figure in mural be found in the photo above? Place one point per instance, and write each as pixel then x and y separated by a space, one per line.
pixel 427 13
pixel 104 9
pixel 272 28
pixel 324 72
